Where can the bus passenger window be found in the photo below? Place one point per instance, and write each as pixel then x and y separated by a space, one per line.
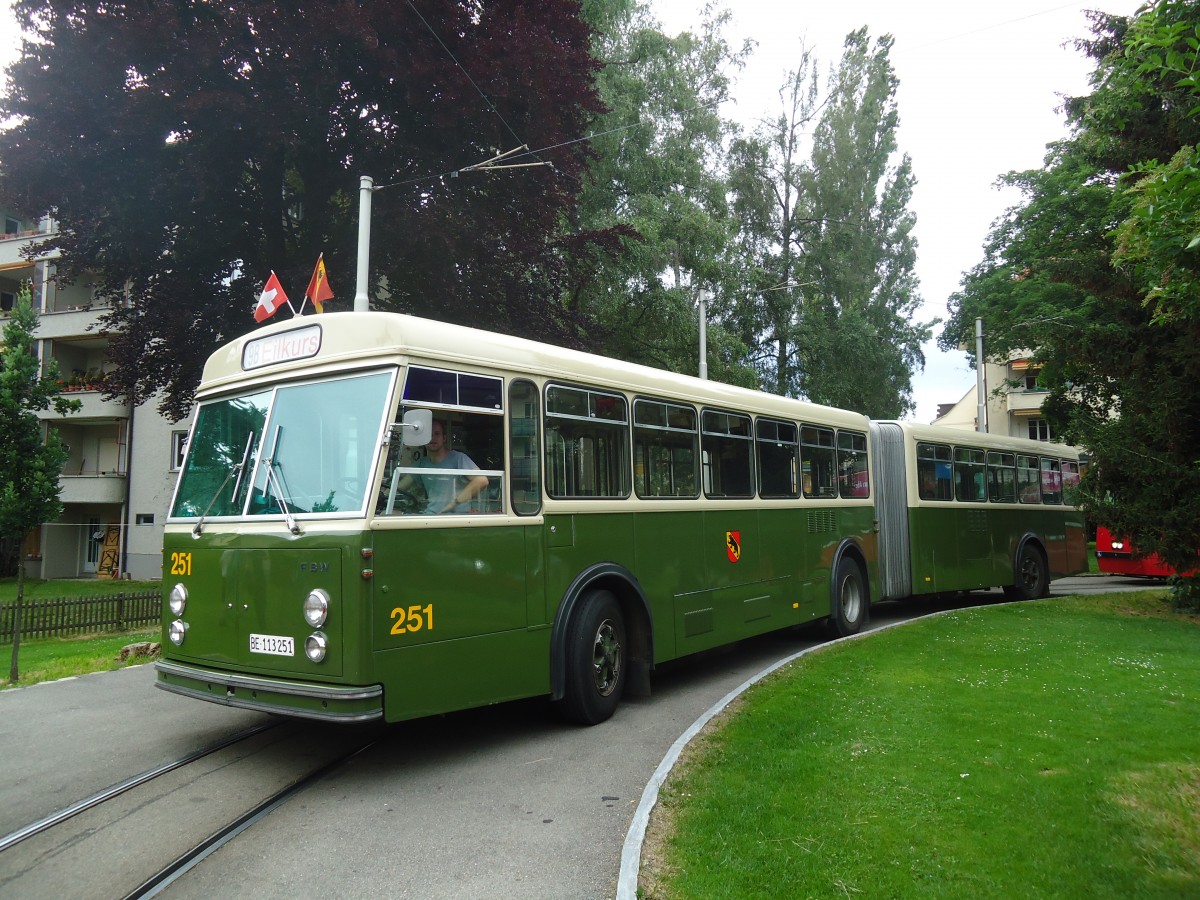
pixel 1002 477
pixel 587 443
pixel 1028 487
pixel 852 464
pixel 934 472
pixel 969 475
pixel 664 449
pixel 728 471
pixel 1051 481
pixel 1070 482
pixel 817 465
pixel 777 458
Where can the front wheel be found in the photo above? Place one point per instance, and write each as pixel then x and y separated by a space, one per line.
pixel 595 670
pixel 1033 579
pixel 849 600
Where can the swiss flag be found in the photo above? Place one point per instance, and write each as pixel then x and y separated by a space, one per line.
pixel 269 301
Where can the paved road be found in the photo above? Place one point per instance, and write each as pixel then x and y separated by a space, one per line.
pixel 491 803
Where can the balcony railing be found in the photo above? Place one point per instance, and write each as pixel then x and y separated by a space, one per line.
pixel 1025 402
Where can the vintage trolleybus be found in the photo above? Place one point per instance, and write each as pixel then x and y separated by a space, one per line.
pixel 381 516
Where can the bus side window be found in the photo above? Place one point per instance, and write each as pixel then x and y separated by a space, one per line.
pixel 665 444
pixel 778 454
pixel 1028 487
pixel 935 479
pixel 587 443
pixel 968 475
pixel 853 480
pixel 1002 477
pixel 1051 481
pixel 728 470
pixel 818 467
pixel 1070 482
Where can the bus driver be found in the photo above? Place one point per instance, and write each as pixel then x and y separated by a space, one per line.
pixel 449 493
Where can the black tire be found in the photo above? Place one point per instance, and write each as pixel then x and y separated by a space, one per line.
pixel 1031 573
pixel 595 662
pixel 849 599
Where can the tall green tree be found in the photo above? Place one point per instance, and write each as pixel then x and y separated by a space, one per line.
pixel 30 459
pixel 828 231
pixel 187 149
pixel 652 220
pixel 1093 271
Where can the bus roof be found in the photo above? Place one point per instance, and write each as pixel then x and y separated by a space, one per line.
pixel 336 342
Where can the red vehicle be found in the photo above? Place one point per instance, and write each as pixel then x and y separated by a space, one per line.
pixel 1118 556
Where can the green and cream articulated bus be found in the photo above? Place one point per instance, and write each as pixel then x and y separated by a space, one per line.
pixel 384 517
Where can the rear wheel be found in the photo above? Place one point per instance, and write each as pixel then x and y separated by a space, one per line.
pixel 849 601
pixel 595 670
pixel 1033 579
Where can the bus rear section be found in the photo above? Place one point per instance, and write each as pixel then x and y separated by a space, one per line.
pixel 963 511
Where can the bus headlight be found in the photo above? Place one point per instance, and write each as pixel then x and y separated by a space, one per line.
pixel 315 645
pixel 1118 545
pixel 178 600
pixel 316 608
pixel 177 631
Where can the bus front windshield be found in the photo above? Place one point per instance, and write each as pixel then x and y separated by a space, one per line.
pixel 289 450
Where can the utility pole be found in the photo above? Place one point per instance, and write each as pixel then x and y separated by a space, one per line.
pixel 366 186
pixel 980 381
pixel 703 333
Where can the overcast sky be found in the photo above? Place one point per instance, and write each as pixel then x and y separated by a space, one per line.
pixel 980 87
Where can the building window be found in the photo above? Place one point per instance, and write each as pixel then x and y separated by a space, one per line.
pixel 11 226
pixel 1031 379
pixel 178 446
pixel 7 300
pixel 144 519
pixel 1039 430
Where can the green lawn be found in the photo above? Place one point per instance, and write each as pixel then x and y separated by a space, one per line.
pixel 48 659
pixel 1047 749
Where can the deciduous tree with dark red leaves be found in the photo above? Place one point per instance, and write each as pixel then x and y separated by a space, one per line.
pixel 187 149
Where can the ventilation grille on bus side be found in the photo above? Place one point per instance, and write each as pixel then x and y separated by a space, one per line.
pixel 821 520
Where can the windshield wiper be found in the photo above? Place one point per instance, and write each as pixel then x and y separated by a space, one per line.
pixel 238 469
pixel 276 480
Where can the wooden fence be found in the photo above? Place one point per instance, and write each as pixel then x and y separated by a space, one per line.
pixel 62 616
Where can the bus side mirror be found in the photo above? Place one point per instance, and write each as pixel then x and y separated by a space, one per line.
pixel 416 427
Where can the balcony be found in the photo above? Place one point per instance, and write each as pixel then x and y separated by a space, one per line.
pixel 92 406
pixel 11 246
pixel 1025 403
pixel 105 488
pixel 71 322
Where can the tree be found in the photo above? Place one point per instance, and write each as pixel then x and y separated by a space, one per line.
pixel 652 223
pixel 187 149
pixel 1092 271
pixel 830 239
pixel 30 460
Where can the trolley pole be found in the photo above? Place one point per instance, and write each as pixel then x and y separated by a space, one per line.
pixel 980 381
pixel 366 185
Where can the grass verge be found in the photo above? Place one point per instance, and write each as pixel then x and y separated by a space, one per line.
pixel 49 659
pixel 1037 749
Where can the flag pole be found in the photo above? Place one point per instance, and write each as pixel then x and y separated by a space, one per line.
pixel 366 185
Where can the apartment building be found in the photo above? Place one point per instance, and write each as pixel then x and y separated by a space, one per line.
pixel 1014 402
pixel 118 478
